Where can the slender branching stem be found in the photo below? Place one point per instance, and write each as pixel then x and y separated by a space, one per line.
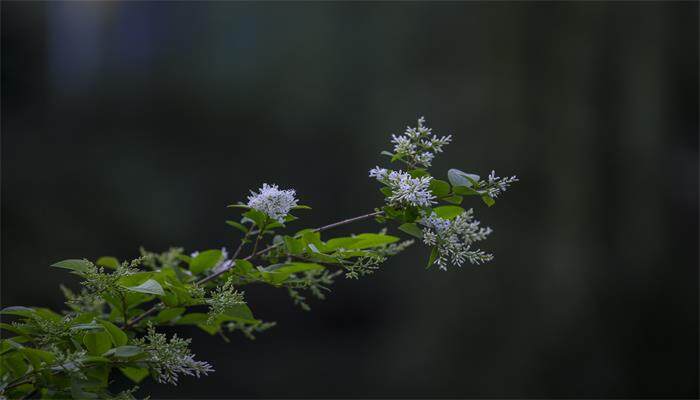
pixel 254 254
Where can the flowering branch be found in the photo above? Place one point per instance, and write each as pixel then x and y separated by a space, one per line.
pixel 215 275
pixel 111 322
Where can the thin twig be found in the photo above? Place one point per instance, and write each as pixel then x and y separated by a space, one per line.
pixel 215 275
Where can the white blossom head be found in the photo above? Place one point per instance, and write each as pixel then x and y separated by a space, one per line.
pixel 272 201
pixel 453 239
pixel 405 190
pixel 418 146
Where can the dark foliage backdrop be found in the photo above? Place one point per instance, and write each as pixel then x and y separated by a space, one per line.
pixel 134 123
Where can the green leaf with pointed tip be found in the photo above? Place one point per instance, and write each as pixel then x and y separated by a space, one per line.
pixel 91 327
pixel 192 319
pixel 278 273
pixel 36 357
pixel 433 257
pixel 367 240
pixel 465 191
pixel 412 229
pixel 108 262
pixel 454 199
pixel 386 153
pixel 118 336
pixel 259 218
pixel 243 267
pixel 204 261
pixel 301 207
pixel 19 311
pixel 79 266
pixel 341 242
pixel 459 178
pixel 294 246
pixel 439 188
pixel 169 314
pixel 136 374
pixel 448 212
pixel 237 225
pixel 418 172
pixel 148 287
pixel 488 200
pixel 97 343
pixel 123 352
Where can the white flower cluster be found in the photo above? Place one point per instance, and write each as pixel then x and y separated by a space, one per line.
pixel 418 146
pixel 168 359
pixel 495 185
pixel 272 201
pixel 453 239
pixel 405 190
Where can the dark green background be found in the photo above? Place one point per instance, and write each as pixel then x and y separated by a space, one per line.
pixel 128 124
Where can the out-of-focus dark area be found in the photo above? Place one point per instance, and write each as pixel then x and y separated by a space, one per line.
pixel 128 124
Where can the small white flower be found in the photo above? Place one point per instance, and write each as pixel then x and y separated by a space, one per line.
pixel 405 190
pixel 379 173
pixel 454 238
pixel 418 146
pixel 494 186
pixel 272 201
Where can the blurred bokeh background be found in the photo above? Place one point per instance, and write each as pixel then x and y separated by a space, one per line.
pixel 128 124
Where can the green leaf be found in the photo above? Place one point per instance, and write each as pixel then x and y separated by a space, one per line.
pixel 238 206
pixel 240 312
pixel 412 229
pixel 459 178
pixel 418 172
pixel 367 240
pixel 433 257
pixel 169 314
pixel 74 265
pixel 294 246
pixel 386 153
pixel 97 343
pixel 465 191
pixel 108 262
pixel 309 236
pixel 439 188
pixel 97 359
pixel 243 267
pixel 91 327
pixel 118 336
pixel 488 200
pixel 19 311
pixel 453 199
pixel 341 242
pixel 36 357
pixel 259 218
pixel 16 329
pixel 448 212
pixel 15 363
pixel 204 261
pixel 386 191
pixel 238 226
pixel 136 374
pixel 124 351
pixel 149 287
pixel 192 319
pixel 301 207
pixel 278 273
